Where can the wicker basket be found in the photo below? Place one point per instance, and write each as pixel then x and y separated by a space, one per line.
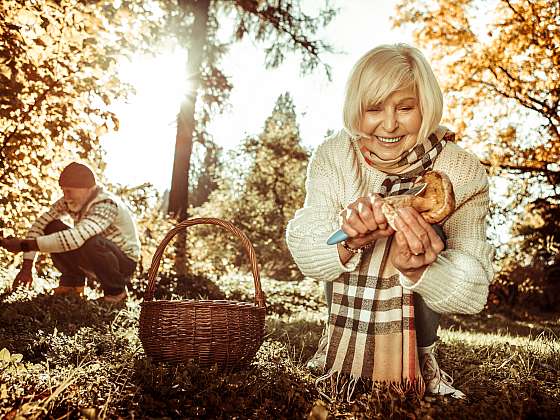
pixel 222 332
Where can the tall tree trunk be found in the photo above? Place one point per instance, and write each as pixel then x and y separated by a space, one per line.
pixel 179 194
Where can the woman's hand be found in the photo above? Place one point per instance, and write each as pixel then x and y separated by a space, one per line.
pixel 417 244
pixel 364 222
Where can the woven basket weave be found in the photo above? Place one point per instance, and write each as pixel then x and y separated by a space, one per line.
pixel 222 332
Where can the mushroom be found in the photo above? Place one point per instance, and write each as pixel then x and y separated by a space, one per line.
pixel 434 203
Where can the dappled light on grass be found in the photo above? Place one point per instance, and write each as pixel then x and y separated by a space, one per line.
pixel 543 344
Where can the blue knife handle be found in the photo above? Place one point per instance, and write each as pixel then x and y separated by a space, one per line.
pixel 340 236
pixel 337 237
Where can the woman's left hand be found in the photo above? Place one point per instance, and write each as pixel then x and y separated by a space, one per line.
pixel 417 244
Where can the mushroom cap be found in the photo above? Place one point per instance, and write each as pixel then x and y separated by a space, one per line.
pixel 435 203
pixel 439 192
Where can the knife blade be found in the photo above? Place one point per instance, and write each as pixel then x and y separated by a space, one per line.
pixel 340 235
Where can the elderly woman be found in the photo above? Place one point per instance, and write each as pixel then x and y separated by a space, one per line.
pixel 387 289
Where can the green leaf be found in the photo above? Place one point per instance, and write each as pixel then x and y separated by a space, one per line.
pixel 5 355
pixel 16 358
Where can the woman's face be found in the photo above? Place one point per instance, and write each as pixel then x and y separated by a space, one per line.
pixel 393 125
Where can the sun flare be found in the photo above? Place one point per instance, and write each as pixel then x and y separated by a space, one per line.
pixel 147 118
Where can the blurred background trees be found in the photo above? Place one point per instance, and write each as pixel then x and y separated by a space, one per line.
pixel 499 66
pixel 280 28
pixel 259 190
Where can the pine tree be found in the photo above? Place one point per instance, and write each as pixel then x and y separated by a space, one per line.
pixel 263 198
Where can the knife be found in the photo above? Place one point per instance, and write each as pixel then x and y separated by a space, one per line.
pixel 340 235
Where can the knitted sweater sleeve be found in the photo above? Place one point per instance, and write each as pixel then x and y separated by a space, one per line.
pixel 98 218
pixel 458 281
pixel 38 227
pixel 308 231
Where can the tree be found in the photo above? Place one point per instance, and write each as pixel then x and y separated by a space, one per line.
pixel 499 76
pixel 198 34
pixel 281 24
pixel 57 79
pixel 502 81
pixel 262 199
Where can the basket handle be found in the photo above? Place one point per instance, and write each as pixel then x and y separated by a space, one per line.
pixel 259 295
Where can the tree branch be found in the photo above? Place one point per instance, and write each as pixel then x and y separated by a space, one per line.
pixel 524 168
pixel 311 47
pixel 515 10
pixel 515 96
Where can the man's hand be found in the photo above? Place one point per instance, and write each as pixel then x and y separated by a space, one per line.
pixel 16 245
pixel 11 244
pixel 25 275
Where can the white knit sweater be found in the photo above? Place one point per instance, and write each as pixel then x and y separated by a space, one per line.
pixel 337 175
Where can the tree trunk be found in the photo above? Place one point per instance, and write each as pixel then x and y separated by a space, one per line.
pixel 179 194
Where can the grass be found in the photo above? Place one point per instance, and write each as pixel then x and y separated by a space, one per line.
pixel 70 358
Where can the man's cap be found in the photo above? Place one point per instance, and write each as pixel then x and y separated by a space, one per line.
pixel 77 175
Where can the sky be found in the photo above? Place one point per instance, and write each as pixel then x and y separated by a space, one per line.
pixel 142 150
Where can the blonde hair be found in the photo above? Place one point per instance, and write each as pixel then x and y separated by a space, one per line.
pixel 384 70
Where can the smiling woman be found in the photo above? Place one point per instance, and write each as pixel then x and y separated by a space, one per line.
pixel 387 285
pixel 146 135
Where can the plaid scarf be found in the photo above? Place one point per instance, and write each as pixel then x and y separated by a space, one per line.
pixel 371 324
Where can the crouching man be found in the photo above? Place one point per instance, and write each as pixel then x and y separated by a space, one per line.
pixel 103 242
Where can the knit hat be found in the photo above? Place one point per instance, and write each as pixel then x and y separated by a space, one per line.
pixel 77 175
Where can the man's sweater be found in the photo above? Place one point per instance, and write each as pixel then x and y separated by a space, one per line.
pixel 338 175
pixel 104 215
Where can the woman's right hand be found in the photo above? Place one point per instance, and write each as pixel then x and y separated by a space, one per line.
pixel 364 222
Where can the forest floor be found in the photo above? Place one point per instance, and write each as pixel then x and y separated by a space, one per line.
pixel 66 357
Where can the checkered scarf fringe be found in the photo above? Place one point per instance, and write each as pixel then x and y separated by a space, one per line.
pixel 372 337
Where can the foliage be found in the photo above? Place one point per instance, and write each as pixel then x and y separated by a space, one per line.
pixel 285 27
pixel 260 193
pixel 84 359
pixel 534 281
pixel 509 64
pixel 539 228
pixel 11 363
pixel 281 27
pixel 282 298
pixel 57 81
pixel 501 76
pixel 205 172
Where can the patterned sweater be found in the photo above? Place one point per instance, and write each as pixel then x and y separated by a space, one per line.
pixel 104 215
pixel 337 175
